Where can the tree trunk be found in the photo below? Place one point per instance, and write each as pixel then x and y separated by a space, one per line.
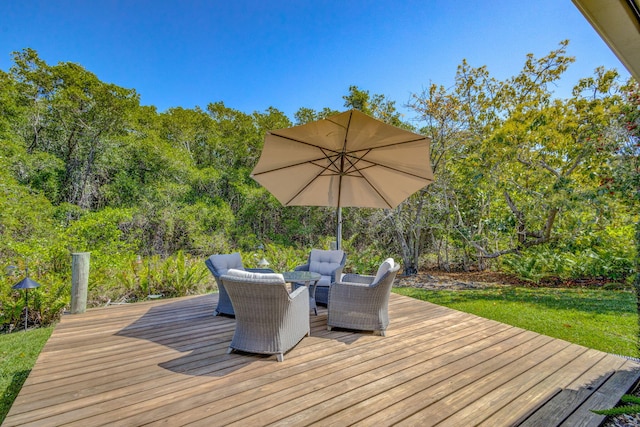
pixel 636 282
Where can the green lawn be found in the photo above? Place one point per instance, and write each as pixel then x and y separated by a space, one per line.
pixel 601 319
pixel 18 354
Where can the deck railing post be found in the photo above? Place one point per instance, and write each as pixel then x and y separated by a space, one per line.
pixel 79 281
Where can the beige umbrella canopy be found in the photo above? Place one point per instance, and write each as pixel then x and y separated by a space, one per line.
pixel 349 159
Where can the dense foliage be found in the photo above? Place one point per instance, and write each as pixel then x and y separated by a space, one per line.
pixel 522 183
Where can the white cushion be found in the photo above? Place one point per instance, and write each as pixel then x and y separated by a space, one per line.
pixel 259 277
pixel 382 270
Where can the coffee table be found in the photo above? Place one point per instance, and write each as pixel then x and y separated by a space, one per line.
pixel 310 280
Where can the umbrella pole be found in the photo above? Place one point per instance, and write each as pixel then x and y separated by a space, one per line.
pixel 26 308
pixel 339 229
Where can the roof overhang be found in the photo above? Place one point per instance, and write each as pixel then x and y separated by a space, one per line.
pixel 618 23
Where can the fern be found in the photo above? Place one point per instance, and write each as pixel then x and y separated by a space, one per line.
pixel 622 410
pixel 618 410
pixel 525 268
pixel 630 398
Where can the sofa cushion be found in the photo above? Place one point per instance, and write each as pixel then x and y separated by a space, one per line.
pixel 224 262
pixel 386 265
pixel 325 262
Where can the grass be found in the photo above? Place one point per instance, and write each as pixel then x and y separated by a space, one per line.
pixel 18 354
pixel 604 320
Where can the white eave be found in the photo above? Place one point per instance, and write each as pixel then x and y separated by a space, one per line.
pixel 618 23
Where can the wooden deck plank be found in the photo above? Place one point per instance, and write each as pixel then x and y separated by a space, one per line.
pixel 234 395
pixel 500 393
pixel 435 401
pixel 145 395
pixel 165 362
pixel 395 390
pixel 562 405
pixel 350 386
pixel 605 397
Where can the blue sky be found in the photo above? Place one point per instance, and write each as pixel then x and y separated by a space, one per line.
pixel 291 54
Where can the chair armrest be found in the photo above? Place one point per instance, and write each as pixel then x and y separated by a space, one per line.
pixel 357 278
pixel 301 290
pixel 336 274
pixel 350 284
pixel 303 267
pixel 341 293
pixel 211 268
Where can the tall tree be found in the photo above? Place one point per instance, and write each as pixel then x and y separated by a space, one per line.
pixel 407 218
pixel 515 157
pixel 71 114
pixel 622 173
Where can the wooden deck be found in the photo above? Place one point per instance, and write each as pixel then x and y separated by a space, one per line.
pixel 165 363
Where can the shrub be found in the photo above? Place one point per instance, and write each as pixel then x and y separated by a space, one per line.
pixel 541 262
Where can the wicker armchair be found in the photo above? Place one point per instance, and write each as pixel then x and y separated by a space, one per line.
pixel 362 302
pixel 269 320
pixel 329 264
pixel 219 265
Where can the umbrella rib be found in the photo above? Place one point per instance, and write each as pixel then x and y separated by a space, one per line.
pixel 397 143
pixel 342 155
pixel 373 164
pixel 357 159
pixel 325 150
pixel 332 159
pixel 288 138
pixel 393 144
pixel 358 170
pixel 304 162
pixel 376 190
pixel 304 187
pixel 396 170
pixel 287 166
pixel 304 143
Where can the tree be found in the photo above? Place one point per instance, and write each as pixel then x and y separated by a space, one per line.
pixel 622 173
pixel 192 131
pixel 511 156
pixel 406 219
pixel 376 105
pixel 69 113
pixel 307 115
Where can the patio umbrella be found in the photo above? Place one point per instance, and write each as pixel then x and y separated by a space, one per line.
pixel 346 160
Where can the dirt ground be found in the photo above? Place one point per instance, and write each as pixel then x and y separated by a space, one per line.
pixel 438 279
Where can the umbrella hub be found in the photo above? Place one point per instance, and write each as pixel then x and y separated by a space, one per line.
pixel 343 164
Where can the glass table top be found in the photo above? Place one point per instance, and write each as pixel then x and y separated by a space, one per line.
pixel 300 276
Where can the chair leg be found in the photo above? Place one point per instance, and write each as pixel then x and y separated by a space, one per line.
pixel 328 328
pixel 229 350
pixel 215 312
pixel 380 333
pixel 280 357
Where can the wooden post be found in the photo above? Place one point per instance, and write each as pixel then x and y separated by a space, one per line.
pixel 79 281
